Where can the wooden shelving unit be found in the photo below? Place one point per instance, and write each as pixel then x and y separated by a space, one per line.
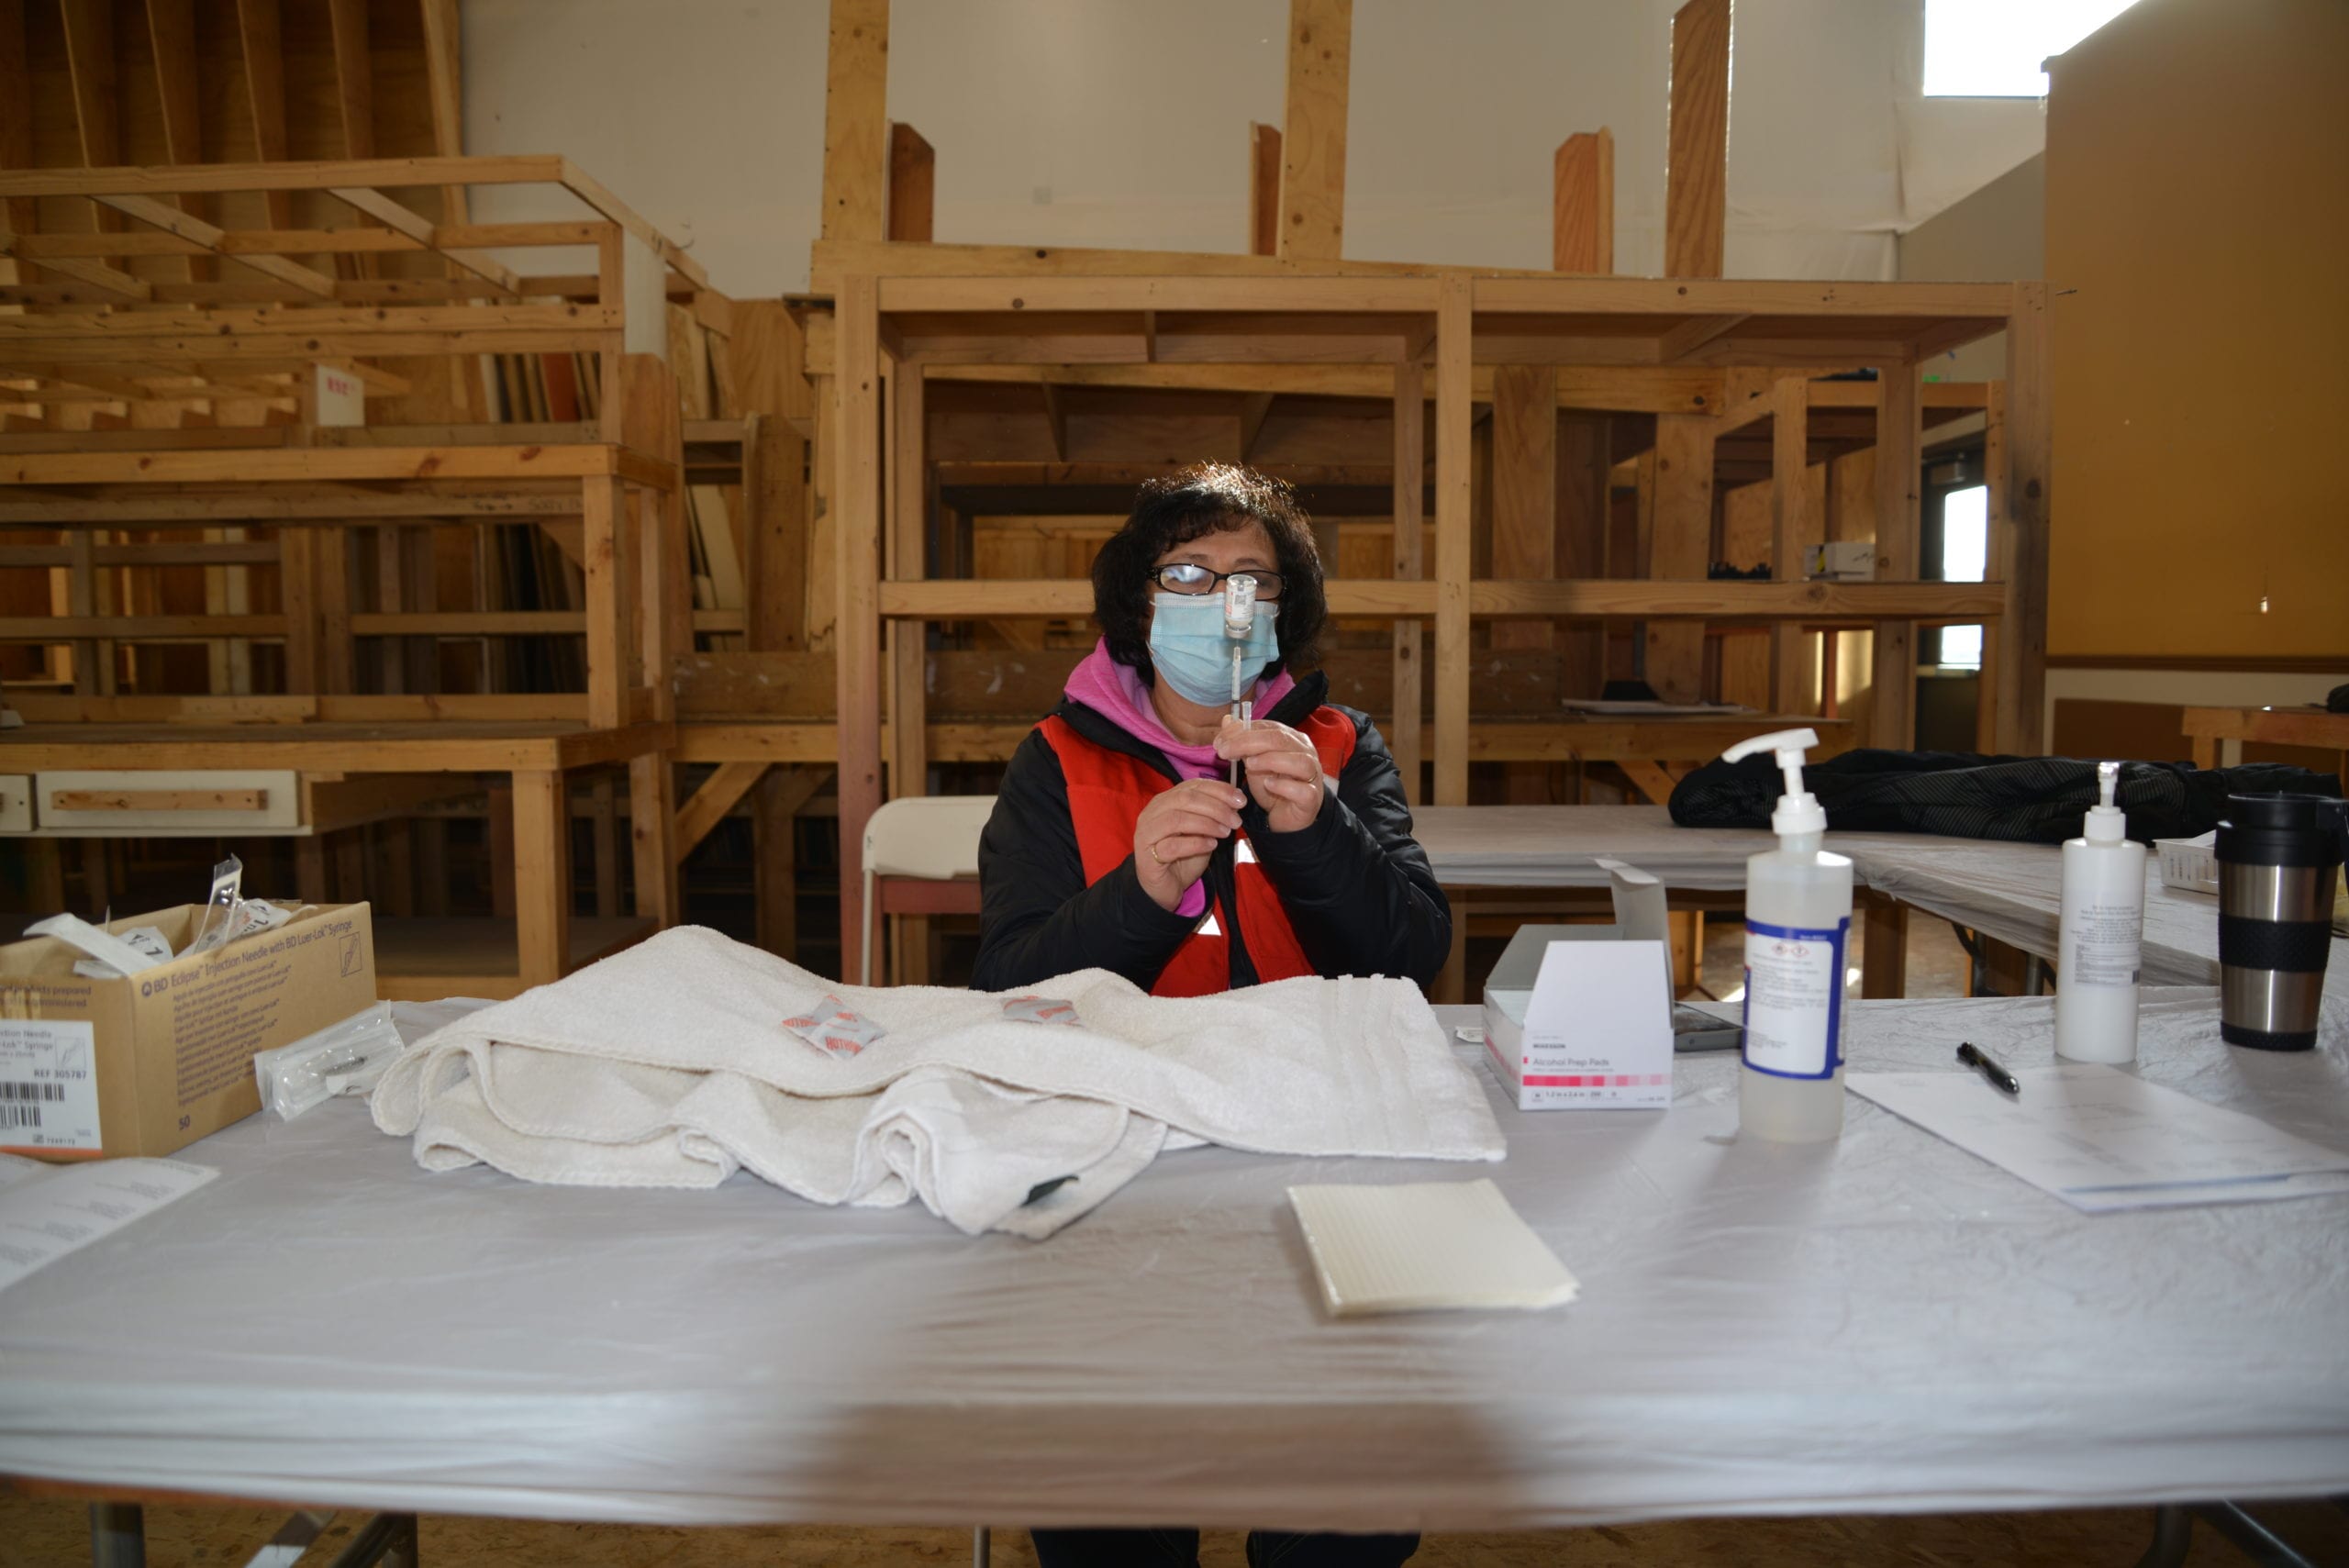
pixel 277 306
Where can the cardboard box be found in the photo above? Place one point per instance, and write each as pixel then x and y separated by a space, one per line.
pixel 1843 562
pixel 149 1063
pixel 1578 1018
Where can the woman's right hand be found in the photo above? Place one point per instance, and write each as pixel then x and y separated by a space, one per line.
pixel 1178 831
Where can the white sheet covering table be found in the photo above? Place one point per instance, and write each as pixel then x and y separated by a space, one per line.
pixel 2011 892
pixel 1883 1323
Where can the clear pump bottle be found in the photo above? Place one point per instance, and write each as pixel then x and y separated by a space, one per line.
pixel 2103 928
pixel 1797 932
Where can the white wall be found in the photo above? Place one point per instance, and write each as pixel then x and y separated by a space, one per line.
pixel 1124 122
pixel 1997 234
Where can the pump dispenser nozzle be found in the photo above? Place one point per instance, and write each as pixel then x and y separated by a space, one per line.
pixel 2107 823
pixel 1798 810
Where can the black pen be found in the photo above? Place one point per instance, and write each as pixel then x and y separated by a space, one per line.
pixel 2000 1079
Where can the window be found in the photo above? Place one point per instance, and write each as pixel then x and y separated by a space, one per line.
pixel 1965 556
pixel 1992 49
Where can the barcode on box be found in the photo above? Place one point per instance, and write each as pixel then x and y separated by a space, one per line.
pixel 32 1092
pixel 19 1116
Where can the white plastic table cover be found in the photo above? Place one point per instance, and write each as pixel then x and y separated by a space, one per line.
pixel 1558 846
pixel 2015 893
pixel 1880 1323
pixel 2011 892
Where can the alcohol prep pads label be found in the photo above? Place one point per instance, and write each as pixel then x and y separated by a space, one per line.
pixel 49 1084
pixel 1794 998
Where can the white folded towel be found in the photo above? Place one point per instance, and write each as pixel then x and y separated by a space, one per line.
pixel 669 1064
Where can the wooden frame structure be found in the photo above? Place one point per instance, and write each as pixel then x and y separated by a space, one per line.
pixel 96 332
pixel 424 959
pixel 891 331
pixel 92 333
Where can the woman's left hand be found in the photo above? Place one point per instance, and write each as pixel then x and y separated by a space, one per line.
pixel 1283 769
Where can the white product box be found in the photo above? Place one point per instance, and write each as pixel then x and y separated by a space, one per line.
pixel 2189 864
pixel 1843 562
pixel 1577 1018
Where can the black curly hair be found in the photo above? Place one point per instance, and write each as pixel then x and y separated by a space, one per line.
pixel 1208 497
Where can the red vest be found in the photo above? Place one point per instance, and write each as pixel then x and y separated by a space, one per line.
pixel 1107 792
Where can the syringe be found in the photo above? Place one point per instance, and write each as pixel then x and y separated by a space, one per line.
pixel 1239 621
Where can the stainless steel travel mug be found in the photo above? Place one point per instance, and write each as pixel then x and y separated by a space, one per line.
pixel 2277 856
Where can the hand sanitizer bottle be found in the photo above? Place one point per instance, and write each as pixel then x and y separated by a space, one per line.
pixel 2103 925
pixel 1798 929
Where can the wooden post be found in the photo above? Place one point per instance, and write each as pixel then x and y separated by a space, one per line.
pixel 774 833
pixel 542 875
pixel 432 853
pixel 1681 549
pixel 823 592
pixel 906 558
pixel 857 637
pixel 18 214
pixel 1410 488
pixel 1263 190
pixel 264 60
pixel 444 90
pixel 913 184
pixel 767 364
pixel 1899 475
pixel 2000 568
pixel 650 422
pixel 609 602
pixel 603 835
pixel 310 870
pixel 856 122
pixel 1455 499
pixel 2022 672
pixel 1313 130
pixel 1798 521
pixel 1884 952
pixel 776 805
pixel 331 582
pixel 1582 192
pixel 44 876
pixel 1525 520
pixel 94 661
pixel 419 591
pixel 1696 151
pixel 297 598
pixel 651 815
pixel 1585 504
pixel 499 837
pixel 1525 488
pixel 171 36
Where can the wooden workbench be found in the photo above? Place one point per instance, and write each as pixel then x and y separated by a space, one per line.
pixel 426 959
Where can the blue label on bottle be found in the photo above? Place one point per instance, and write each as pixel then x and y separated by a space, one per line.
pixel 1793 999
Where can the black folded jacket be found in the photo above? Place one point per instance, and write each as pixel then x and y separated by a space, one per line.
pixel 2030 800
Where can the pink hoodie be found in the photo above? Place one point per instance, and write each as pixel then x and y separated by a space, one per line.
pixel 1115 691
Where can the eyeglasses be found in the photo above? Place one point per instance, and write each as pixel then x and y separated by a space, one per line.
pixel 1190 577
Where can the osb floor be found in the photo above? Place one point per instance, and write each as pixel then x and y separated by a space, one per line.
pixel 43 1534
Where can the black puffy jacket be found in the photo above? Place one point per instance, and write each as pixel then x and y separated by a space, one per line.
pixel 1355 885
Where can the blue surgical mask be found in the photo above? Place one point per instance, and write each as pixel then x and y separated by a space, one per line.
pixel 1191 653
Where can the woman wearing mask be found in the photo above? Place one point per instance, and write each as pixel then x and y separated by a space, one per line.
pixel 1119 843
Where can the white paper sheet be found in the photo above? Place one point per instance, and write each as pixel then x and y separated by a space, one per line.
pixel 2101 1139
pixel 1416 1246
pixel 44 1217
